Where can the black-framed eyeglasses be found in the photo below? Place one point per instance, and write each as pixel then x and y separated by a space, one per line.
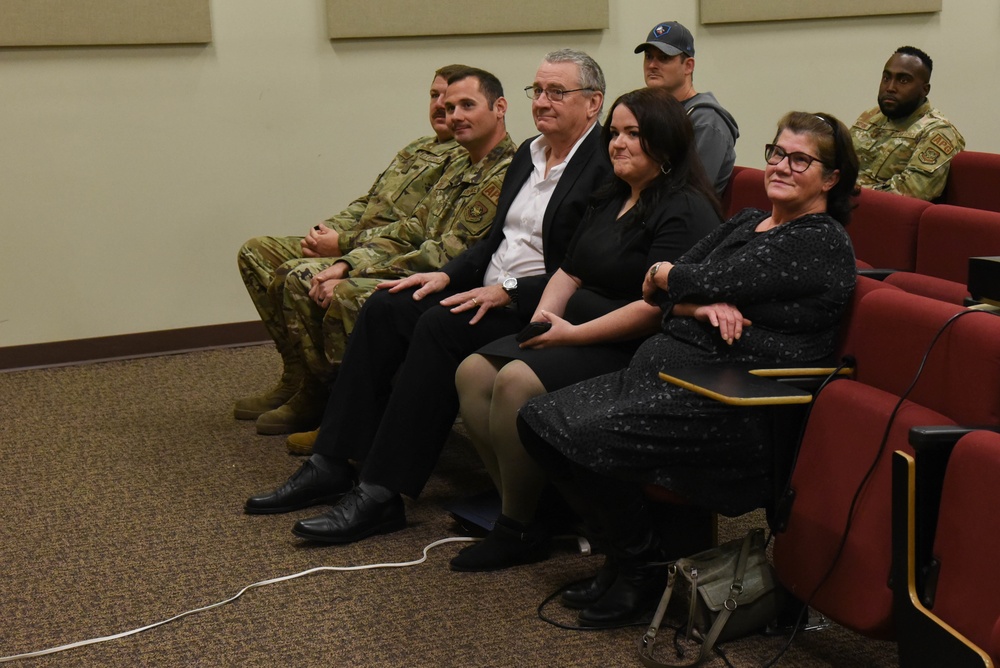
pixel 797 161
pixel 554 94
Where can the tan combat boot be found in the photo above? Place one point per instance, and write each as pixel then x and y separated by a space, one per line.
pixel 302 443
pixel 250 408
pixel 302 412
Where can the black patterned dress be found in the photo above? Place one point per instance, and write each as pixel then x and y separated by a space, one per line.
pixel 793 283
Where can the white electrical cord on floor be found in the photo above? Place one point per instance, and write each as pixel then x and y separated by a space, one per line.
pixel 262 583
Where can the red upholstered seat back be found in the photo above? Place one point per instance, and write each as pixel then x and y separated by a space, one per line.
pixel 883 229
pixel 848 326
pixel 993 648
pixel 967 542
pixel 972 181
pixel 948 236
pixel 962 375
pixel 890 331
pixel 841 441
pixel 746 189
pixel 929 286
pixel 727 195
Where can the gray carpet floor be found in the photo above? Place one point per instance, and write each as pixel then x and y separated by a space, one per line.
pixel 121 492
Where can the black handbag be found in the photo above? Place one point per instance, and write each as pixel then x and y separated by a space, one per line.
pixel 728 591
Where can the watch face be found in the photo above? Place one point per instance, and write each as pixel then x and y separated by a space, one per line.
pixel 509 283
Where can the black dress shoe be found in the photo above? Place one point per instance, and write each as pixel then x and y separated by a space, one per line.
pixel 510 543
pixel 309 486
pixel 581 595
pixel 355 516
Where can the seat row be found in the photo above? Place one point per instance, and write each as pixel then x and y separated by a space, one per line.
pixel 900 568
pixel 922 247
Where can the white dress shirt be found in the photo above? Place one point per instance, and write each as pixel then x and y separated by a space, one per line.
pixel 520 252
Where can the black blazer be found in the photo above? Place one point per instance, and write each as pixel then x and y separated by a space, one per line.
pixel 589 169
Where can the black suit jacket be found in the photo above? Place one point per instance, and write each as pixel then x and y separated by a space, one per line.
pixel 588 169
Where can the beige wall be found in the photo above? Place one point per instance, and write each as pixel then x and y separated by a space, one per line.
pixel 130 176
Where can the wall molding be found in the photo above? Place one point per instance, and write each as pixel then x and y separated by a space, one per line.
pixel 129 346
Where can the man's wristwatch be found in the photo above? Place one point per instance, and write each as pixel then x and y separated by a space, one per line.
pixel 510 287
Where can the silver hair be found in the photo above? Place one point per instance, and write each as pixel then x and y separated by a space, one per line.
pixel 591 75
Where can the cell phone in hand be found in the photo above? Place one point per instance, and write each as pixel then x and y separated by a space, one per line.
pixel 532 330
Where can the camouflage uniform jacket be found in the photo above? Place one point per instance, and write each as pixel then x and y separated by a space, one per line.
pixel 397 191
pixel 908 156
pixel 458 211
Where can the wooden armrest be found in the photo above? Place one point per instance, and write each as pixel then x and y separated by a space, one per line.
pixel 736 386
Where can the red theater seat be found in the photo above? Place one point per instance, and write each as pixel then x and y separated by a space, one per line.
pixel 972 181
pixel 948 236
pixel 950 617
pixel 746 189
pixel 884 229
pixel 890 330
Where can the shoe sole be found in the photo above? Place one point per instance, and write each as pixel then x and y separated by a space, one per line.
pixel 323 501
pixel 638 619
pixel 383 528
pixel 498 567
pixel 247 414
pixel 276 429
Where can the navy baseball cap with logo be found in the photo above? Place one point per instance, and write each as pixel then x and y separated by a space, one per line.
pixel 669 37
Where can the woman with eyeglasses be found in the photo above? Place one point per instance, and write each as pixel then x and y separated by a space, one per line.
pixel 765 287
pixel 591 317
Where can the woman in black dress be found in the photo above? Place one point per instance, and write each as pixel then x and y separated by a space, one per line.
pixel 658 205
pixel 764 287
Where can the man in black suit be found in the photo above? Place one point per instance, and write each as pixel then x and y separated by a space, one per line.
pixel 418 329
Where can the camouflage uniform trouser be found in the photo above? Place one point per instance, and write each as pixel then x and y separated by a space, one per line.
pixel 264 264
pixel 320 335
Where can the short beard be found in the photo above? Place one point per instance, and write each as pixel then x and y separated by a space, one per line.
pixel 901 110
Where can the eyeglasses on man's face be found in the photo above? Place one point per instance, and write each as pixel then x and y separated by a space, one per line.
pixel 797 161
pixel 554 94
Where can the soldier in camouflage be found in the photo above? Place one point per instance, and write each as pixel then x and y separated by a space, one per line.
pixel 904 145
pixel 321 307
pixel 264 262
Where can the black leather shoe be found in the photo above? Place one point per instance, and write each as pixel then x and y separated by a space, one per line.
pixel 355 516
pixel 309 486
pixel 581 595
pixel 510 543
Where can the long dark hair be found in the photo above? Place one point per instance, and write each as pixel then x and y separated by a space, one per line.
pixel 667 137
pixel 836 152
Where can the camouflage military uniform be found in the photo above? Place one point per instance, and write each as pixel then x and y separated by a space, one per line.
pixel 909 156
pixel 458 212
pixel 265 261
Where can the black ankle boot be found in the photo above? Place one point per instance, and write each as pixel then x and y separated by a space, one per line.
pixel 632 599
pixel 634 546
pixel 578 596
pixel 510 543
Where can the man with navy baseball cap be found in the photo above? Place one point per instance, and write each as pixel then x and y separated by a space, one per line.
pixel 669 63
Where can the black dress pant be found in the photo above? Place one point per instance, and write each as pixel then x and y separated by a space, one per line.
pixel 398 428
